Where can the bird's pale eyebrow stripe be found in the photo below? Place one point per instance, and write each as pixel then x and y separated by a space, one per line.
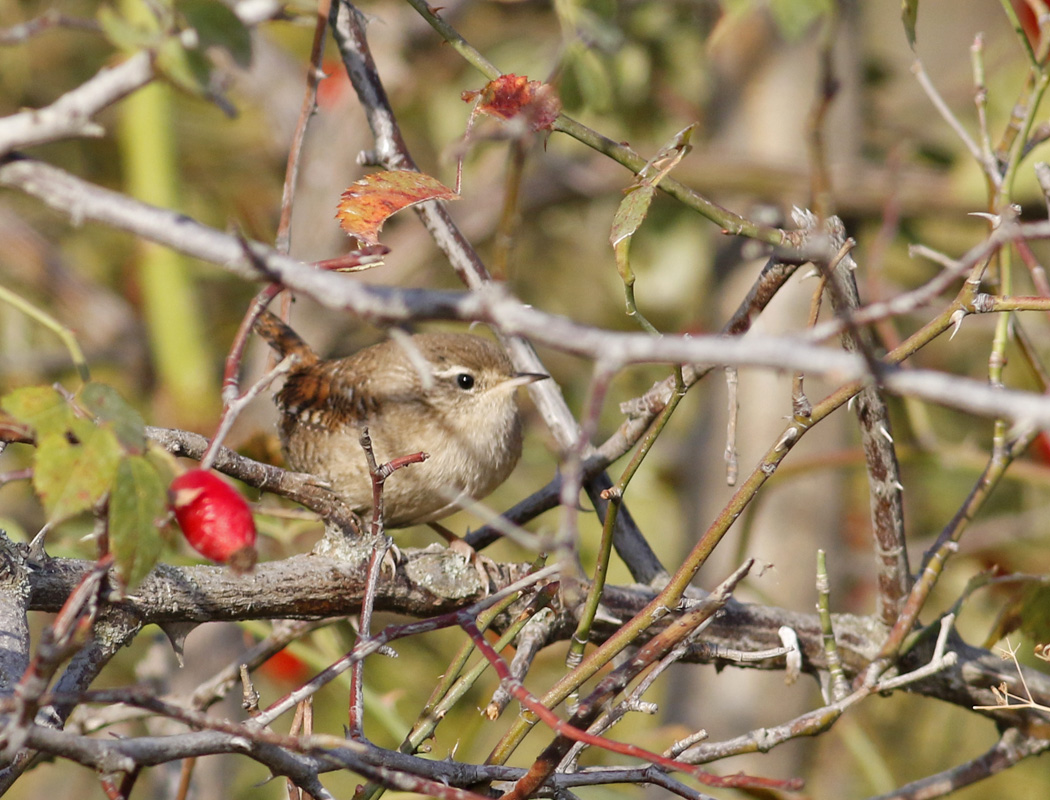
pixel 449 372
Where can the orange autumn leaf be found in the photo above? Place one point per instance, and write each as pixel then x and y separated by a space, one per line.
pixel 509 96
pixel 367 203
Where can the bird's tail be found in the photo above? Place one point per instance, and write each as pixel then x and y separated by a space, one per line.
pixel 284 341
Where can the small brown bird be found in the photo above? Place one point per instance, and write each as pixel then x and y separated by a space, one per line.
pixel 450 395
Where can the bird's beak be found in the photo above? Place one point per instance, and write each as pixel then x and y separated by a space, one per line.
pixel 524 379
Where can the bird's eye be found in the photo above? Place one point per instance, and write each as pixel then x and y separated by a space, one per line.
pixel 465 381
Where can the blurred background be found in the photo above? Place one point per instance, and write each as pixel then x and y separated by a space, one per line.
pixel 157 325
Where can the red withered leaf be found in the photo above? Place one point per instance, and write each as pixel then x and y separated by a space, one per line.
pixel 509 96
pixel 367 203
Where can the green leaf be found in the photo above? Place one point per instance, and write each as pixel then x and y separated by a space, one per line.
pixel 166 465
pixel 125 35
pixel 137 505
pixel 1035 613
pixel 187 69
pixel 218 26
pixel 40 407
pixel 587 72
pixel 71 478
pixel 631 213
pixel 910 16
pixel 108 408
pixel 634 207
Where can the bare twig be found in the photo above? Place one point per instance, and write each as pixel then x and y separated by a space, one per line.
pixel 235 406
pixel 1012 747
pixel 990 168
pixel 381 546
pixel 366 648
pixel 291 176
pixel 19 34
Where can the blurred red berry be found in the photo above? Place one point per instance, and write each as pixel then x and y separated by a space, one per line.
pixel 335 89
pixel 214 518
pixel 285 666
pixel 1040 449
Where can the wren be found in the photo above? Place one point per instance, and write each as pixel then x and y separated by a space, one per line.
pixel 449 395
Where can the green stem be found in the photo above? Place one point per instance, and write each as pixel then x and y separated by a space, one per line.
pixel 632 309
pixel 601 570
pixel 839 686
pixel 172 314
pixel 455 41
pixel 64 334
pixel 1015 139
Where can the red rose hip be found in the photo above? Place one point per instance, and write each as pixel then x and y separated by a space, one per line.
pixel 214 518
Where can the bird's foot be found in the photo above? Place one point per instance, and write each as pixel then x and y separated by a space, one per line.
pixel 485 567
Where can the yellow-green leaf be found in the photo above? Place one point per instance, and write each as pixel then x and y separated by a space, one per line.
pixel 125 35
pixel 137 505
pixel 71 478
pixel 631 213
pixel 166 465
pixel 634 207
pixel 40 407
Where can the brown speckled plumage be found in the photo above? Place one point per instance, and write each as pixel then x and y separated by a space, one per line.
pixel 450 395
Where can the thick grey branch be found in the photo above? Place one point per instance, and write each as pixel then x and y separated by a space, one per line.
pixel 496 306
pixel 71 115
pixel 14 625
pixel 893 576
pixel 430 582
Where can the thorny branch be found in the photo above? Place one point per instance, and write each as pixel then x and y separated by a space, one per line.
pixel 494 305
